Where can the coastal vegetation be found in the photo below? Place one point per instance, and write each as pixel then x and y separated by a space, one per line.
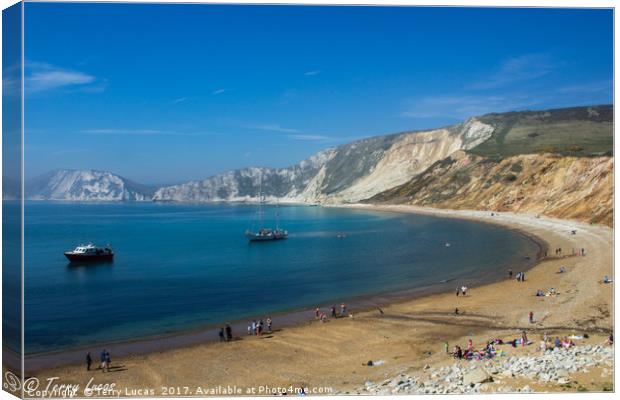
pixel 576 131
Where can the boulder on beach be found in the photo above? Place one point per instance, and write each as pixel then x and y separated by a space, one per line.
pixel 477 375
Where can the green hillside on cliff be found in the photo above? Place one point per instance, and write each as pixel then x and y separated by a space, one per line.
pixel 576 131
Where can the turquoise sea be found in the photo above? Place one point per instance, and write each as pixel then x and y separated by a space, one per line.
pixel 180 267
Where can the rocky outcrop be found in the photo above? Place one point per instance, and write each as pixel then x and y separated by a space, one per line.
pixel 85 185
pixel 565 187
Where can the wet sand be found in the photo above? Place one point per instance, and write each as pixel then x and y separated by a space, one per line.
pixel 407 334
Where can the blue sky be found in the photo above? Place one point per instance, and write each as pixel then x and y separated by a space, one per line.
pixel 167 93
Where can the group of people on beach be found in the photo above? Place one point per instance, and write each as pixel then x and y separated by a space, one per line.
pixel 461 290
pixel 557 343
pixel 520 276
pixel 488 351
pixel 105 359
pixel 320 315
pixel 578 252
pixel 257 328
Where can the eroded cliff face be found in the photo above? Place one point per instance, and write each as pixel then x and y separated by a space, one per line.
pixel 348 173
pixel 85 185
pixel 410 155
pixel 564 187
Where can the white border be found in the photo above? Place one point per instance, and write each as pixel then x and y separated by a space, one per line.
pixel 445 3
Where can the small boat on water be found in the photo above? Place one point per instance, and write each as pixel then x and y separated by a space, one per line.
pixel 90 252
pixel 265 234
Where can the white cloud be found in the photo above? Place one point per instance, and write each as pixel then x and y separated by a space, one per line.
pixel 591 87
pixel 144 132
pixel 40 77
pixel 273 128
pixel 507 90
pixel 219 91
pixel 312 73
pixel 465 106
pixel 291 133
pixel 517 69
pixel 311 138
pixel 179 100
pixel 288 96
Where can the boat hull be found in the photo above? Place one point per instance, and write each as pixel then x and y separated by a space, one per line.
pixel 265 238
pixel 88 258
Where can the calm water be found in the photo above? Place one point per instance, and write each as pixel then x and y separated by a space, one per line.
pixel 184 266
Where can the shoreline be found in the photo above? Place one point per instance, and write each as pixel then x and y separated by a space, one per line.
pixel 208 334
pixel 416 326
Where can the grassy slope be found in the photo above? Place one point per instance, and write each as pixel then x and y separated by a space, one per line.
pixel 577 131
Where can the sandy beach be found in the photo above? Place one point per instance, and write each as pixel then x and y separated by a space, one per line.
pixel 406 336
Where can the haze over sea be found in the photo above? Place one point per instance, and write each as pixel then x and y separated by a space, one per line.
pixel 180 267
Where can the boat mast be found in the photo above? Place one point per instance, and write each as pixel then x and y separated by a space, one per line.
pixel 277 215
pixel 260 199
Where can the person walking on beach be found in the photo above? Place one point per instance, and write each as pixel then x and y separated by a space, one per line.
pixel 343 310
pixel 221 334
pixel 531 317
pixel 464 290
pixel 108 361
pixel 269 324
pixel 510 274
pixel 523 339
pixel 458 290
pixel 228 333
pixel 259 328
pixel 254 327
pixel 317 313
pixel 333 310
pixel 103 360
pixel 89 361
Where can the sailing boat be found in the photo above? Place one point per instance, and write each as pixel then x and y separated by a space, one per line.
pixel 264 234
